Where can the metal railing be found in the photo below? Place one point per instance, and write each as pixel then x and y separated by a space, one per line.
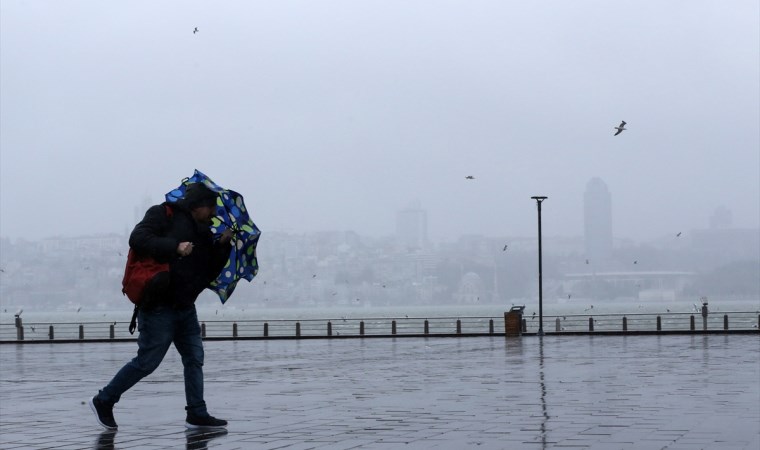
pixel 397 326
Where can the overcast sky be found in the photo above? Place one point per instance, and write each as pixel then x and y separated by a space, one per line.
pixel 333 115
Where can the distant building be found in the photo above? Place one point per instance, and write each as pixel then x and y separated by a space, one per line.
pixel 411 226
pixel 91 246
pixel 470 289
pixel 717 246
pixel 597 216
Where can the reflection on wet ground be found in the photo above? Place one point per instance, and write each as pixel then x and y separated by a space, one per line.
pixel 622 392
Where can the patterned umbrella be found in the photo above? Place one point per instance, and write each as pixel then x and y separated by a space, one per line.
pixel 230 213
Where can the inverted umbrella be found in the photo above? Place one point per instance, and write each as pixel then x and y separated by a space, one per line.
pixel 231 213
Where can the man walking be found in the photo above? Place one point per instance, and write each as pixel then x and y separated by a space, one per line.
pixel 177 233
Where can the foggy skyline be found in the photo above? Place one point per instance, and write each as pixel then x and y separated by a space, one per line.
pixel 337 115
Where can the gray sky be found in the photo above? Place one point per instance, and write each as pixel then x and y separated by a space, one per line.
pixel 336 114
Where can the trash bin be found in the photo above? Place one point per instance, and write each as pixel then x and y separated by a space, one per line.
pixel 513 321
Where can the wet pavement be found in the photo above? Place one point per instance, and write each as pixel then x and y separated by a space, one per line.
pixel 557 392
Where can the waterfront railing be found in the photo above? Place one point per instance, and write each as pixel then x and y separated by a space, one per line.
pixel 635 323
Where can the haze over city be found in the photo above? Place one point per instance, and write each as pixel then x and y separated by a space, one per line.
pixel 335 116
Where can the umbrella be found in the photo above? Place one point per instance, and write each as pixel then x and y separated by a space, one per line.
pixel 230 213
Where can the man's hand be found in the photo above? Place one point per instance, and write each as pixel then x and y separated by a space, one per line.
pixel 184 248
pixel 226 236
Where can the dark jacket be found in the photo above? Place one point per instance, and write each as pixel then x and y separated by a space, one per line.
pixel 158 235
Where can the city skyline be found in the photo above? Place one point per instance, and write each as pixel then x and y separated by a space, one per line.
pixel 411 223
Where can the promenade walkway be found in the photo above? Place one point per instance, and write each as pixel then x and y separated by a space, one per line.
pixel 557 392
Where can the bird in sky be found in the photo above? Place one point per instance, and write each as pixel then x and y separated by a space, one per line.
pixel 196 30
pixel 679 234
pixel 636 262
pixel 505 248
pixel 469 177
pixel 620 128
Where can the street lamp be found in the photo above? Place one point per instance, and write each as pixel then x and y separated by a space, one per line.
pixel 538 200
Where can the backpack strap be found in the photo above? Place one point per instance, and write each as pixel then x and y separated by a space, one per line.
pixel 133 322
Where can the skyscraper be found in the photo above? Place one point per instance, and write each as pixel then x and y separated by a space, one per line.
pixel 411 226
pixel 597 216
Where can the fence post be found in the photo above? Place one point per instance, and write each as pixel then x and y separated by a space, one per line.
pixel 524 325
pixel 329 328
pixel 590 324
pixel 203 330
pixel 19 328
pixel 692 325
pixel 51 333
pixel 393 327
pixel 557 325
pixel 81 331
pixel 725 321
pixel 625 323
pixel 266 329
pixel 111 331
pixel 361 328
pixel 459 326
pixel 298 329
pixel 234 330
pixel 490 326
pixel 427 327
pixel 659 323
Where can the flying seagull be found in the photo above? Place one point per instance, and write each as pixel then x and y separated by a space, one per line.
pixel 469 177
pixel 620 128
pixel 679 234
pixel 196 30
pixel 505 248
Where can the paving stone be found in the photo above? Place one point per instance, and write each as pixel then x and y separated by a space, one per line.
pixel 600 392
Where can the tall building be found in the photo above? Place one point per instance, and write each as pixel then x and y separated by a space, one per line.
pixel 411 226
pixel 597 217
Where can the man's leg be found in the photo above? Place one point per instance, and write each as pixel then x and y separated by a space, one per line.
pixel 156 329
pixel 187 340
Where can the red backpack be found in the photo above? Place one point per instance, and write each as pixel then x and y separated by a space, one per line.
pixel 140 270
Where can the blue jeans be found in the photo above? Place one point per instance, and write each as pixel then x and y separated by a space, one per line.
pixel 158 328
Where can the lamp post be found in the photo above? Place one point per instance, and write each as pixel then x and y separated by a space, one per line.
pixel 538 200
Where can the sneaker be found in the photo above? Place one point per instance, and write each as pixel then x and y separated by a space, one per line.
pixel 204 422
pixel 103 413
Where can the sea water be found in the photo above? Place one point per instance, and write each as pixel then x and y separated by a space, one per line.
pixel 210 310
